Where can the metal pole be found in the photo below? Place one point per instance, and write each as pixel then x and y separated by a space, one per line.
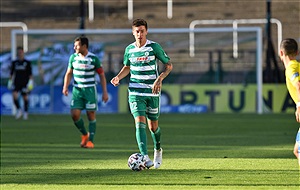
pixel 254 21
pixel 259 71
pixel 23 26
pixel 13 45
pixel 91 10
pixel 235 33
pixel 130 9
pixel 268 74
pixel 169 9
pixel 82 12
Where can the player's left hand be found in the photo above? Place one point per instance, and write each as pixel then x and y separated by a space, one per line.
pixel 65 91
pixel 156 87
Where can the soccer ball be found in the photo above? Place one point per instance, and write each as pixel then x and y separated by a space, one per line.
pixel 136 162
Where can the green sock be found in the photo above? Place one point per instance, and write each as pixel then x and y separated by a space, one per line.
pixel 80 125
pixel 92 130
pixel 156 138
pixel 141 137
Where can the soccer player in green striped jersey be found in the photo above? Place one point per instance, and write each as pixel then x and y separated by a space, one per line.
pixel 288 53
pixel 140 60
pixel 84 65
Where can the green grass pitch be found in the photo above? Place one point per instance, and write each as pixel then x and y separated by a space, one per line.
pixel 201 151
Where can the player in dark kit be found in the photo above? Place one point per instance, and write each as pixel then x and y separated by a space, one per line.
pixel 21 81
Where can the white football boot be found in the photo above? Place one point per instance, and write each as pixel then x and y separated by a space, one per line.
pixel 148 162
pixel 157 158
pixel 25 116
pixel 19 114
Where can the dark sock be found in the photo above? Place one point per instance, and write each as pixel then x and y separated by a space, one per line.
pixel 17 104
pixel 156 138
pixel 80 125
pixel 26 103
pixel 141 137
pixel 92 130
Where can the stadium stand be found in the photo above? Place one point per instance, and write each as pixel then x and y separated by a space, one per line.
pixel 45 14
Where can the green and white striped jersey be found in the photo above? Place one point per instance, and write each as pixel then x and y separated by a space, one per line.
pixel 84 69
pixel 143 67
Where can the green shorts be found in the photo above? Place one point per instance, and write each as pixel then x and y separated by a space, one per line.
pixel 147 106
pixel 84 98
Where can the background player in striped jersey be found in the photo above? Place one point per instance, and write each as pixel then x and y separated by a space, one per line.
pixel 84 65
pixel 140 60
pixel 21 81
pixel 288 52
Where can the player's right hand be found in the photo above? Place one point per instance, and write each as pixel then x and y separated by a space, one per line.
pixel 115 81
pixel 9 84
pixel 297 114
pixel 65 91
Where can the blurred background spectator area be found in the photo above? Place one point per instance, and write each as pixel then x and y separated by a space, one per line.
pixel 215 63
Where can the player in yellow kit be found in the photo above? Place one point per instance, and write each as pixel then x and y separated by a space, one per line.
pixel 288 52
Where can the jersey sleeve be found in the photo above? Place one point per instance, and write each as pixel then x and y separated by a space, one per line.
pixel 160 53
pixel 29 68
pixel 126 60
pixel 12 68
pixel 98 63
pixel 71 59
pixel 292 73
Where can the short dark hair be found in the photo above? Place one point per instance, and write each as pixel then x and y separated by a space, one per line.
pixel 140 22
pixel 289 46
pixel 19 48
pixel 83 40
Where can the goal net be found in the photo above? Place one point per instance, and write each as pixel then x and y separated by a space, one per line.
pixel 208 58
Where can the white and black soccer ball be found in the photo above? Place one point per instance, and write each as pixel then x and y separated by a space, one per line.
pixel 136 162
